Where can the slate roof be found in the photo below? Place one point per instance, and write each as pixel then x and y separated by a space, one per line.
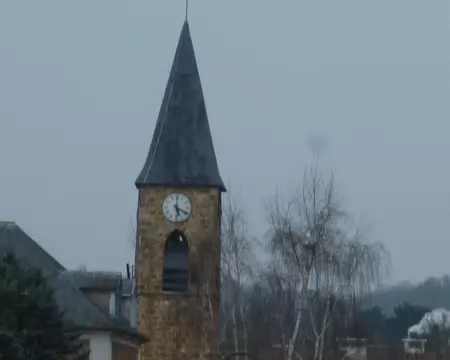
pixel 96 280
pixel 30 253
pixel 182 152
pixel 81 312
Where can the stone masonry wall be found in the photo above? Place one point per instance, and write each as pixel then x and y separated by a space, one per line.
pixel 179 326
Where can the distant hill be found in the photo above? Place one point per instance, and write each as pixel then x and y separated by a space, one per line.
pixel 432 293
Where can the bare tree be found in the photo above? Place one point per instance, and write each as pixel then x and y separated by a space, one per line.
pixel 275 305
pixel 329 259
pixel 236 261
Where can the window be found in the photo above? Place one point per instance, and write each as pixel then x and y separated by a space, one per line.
pixel 112 304
pixel 176 263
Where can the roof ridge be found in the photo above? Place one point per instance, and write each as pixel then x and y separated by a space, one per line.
pixel 45 252
pixel 7 222
pixel 27 250
pixel 96 272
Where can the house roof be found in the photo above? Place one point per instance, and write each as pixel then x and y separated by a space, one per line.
pixel 81 312
pixel 96 280
pixel 182 152
pixel 101 280
pixel 30 253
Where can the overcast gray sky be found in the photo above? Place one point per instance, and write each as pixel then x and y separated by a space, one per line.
pixel 81 83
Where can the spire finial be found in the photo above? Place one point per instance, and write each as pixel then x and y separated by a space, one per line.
pixel 187 9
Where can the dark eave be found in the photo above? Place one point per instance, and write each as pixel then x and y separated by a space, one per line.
pixel 182 152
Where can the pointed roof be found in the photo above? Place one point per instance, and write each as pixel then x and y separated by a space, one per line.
pixel 81 313
pixel 182 151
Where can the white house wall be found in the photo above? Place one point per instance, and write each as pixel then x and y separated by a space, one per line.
pixel 100 346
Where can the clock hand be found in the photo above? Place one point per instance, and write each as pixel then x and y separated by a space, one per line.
pixel 183 211
pixel 177 209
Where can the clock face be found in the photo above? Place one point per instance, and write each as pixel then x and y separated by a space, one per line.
pixel 177 207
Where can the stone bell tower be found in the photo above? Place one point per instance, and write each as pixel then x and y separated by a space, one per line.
pixel 178 223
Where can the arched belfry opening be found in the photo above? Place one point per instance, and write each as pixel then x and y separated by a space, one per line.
pixel 176 263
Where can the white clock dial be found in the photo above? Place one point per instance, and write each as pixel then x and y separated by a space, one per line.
pixel 177 207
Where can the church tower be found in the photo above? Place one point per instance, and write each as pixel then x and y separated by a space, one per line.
pixel 178 223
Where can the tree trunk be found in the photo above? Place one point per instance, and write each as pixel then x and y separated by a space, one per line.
pixel 235 330
pixel 323 330
pixel 317 348
pixel 298 320
pixel 294 335
pixel 244 328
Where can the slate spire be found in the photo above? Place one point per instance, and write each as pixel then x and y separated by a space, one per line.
pixel 182 152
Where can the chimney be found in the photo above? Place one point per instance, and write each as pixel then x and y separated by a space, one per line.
pixel 128 272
